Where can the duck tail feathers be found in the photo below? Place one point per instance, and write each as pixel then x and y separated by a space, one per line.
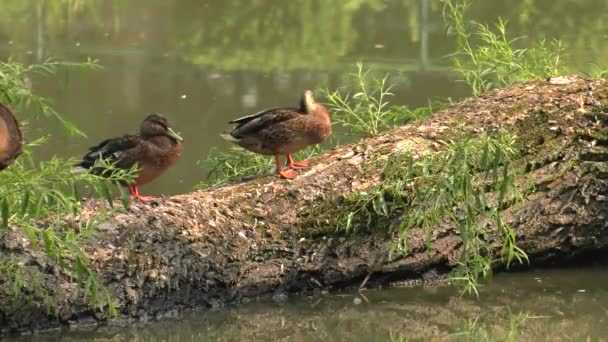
pixel 230 138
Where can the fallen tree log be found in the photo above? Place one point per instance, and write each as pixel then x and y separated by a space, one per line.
pixel 270 236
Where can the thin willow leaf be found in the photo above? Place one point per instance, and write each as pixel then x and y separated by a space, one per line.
pixel 5 213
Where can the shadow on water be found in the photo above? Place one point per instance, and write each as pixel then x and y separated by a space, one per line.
pixel 205 62
pixel 547 305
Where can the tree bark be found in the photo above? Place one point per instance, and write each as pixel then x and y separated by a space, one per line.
pixel 269 236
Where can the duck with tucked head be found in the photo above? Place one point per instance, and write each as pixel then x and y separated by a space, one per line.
pixel 283 131
pixel 154 150
pixel 11 140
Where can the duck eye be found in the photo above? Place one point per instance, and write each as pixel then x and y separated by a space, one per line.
pixel 161 124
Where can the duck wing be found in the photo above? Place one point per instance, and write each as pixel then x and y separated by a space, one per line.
pixel 248 118
pixel 122 151
pixel 11 148
pixel 264 119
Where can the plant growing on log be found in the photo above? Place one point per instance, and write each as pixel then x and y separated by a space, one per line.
pixel 15 87
pixel 37 198
pixel 368 110
pixel 22 283
pixel 487 59
pixel 598 71
pixel 466 185
pixel 233 165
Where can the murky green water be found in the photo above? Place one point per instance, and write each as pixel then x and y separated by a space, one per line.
pixel 204 62
pixel 549 305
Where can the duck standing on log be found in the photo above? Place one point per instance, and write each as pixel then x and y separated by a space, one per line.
pixel 283 131
pixel 154 150
pixel 11 140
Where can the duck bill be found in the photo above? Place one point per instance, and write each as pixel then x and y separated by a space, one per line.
pixel 171 133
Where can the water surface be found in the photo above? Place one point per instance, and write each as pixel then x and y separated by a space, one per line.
pixel 547 305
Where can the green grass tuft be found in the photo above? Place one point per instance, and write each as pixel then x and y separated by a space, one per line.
pixel 487 58
pixel 365 109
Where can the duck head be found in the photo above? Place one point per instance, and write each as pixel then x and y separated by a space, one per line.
pixel 157 125
pixel 307 102
pixel 310 106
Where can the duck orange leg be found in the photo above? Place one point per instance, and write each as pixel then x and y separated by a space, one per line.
pixel 296 165
pixel 135 193
pixel 289 174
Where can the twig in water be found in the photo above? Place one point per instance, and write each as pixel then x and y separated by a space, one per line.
pixel 365 280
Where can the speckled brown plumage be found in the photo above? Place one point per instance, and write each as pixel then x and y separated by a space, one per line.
pixel 10 137
pixel 283 131
pixel 154 150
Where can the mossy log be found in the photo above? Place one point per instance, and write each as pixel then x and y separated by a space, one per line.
pixel 269 236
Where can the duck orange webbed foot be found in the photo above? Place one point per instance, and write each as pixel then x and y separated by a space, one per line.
pixel 299 165
pixel 288 174
pixel 134 191
pixel 145 198
pixel 296 165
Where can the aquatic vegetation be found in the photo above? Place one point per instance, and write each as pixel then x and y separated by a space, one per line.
pixel 509 328
pixel 38 198
pixel 487 58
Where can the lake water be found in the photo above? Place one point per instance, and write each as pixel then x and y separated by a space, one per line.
pixel 205 62
pixel 544 305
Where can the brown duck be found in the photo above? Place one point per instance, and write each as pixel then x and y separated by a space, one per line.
pixel 10 137
pixel 278 131
pixel 154 150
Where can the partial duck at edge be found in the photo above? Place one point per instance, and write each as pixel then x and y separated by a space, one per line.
pixel 11 140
